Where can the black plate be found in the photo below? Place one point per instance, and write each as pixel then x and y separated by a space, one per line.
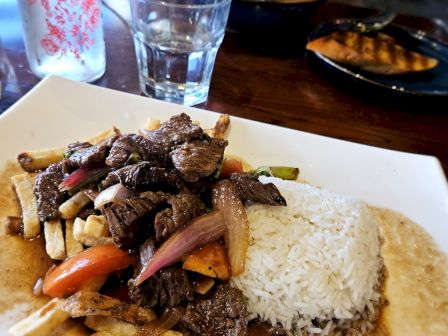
pixel 432 82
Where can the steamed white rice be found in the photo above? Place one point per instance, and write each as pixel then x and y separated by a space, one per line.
pixel 316 259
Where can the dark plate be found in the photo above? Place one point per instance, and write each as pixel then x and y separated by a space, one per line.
pixel 432 82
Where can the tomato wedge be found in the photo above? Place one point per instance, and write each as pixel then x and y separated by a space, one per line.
pixel 67 277
pixel 230 166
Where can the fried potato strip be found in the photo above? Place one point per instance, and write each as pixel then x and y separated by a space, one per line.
pixel 85 303
pixel 41 159
pixel 23 185
pixel 54 239
pixel 72 246
pixel 71 207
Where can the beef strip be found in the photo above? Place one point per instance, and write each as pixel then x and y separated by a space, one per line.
pixel 143 176
pixel 184 207
pixel 123 217
pixel 140 147
pixel 46 188
pixel 167 288
pixel 259 328
pixel 198 158
pixel 82 154
pixel 176 130
pixel 223 314
pixel 250 189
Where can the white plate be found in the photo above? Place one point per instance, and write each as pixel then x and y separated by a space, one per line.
pixel 59 111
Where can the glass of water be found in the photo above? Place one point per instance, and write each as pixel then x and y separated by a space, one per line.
pixel 64 38
pixel 176 42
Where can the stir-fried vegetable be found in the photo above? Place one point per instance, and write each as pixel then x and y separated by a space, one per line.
pixel 158 327
pixel 203 230
pixel 236 234
pixel 68 277
pixel 230 166
pixel 210 259
pixel 115 193
pixel 283 172
pixel 82 177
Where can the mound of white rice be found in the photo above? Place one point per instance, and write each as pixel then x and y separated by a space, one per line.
pixel 318 258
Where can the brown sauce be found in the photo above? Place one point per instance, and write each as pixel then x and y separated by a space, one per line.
pixel 416 287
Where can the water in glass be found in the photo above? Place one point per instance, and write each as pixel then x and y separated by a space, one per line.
pixel 176 50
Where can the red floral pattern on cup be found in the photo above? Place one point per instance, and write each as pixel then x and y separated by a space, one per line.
pixel 70 24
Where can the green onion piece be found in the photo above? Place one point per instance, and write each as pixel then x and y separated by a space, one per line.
pixel 283 172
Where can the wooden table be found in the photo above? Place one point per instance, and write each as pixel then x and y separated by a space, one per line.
pixel 279 85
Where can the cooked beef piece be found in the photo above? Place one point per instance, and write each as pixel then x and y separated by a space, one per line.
pixel 168 287
pixel 73 147
pixel 46 188
pixel 223 314
pixel 176 130
pixel 143 176
pixel 82 154
pixel 91 191
pixel 184 207
pixel 198 158
pixel 139 147
pixel 123 217
pixel 259 328
pixel 84 213
pixel 250 189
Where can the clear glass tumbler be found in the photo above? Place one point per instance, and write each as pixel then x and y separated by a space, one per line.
pixel 176 42
pixel 64 37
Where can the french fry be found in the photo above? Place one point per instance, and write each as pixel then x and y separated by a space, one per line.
pixel 71 207
pixel 151 124
pixel 112 325
pixel 72 246
pixel 79 233
pixel 42 322
pixel 221 126
pixel 102 333
pixel 40 159
pixel 23 185
pixel 54 239
pixel 96 227
pixel 96 139
pixel 85 303
pixel 116 327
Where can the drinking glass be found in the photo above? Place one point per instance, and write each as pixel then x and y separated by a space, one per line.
pixel 64 38
pixel 176 42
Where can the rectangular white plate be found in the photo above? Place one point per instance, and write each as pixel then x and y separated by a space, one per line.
pixel 58 111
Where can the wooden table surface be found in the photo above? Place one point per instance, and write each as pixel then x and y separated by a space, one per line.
pixel 270 81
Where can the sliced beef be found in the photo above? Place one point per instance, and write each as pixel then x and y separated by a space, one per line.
pixel 223 314
pixel 82 154
pixel 176 130
pixel 136 147
pixel 259 328
pixel 84 213
pixel 184 207
pixel 46 188
pixel 142 176
pixel 167 288
pixel 250 189
pixel 123 217
pixel 198 158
